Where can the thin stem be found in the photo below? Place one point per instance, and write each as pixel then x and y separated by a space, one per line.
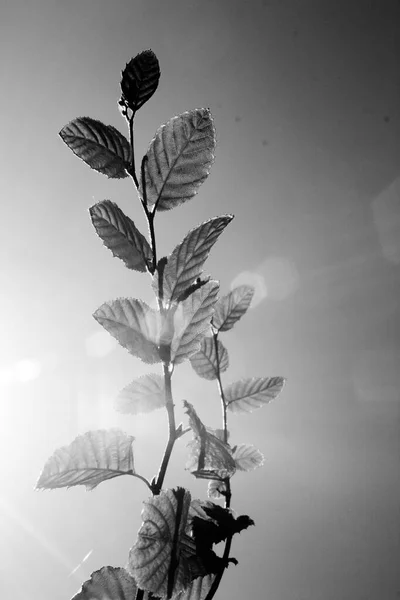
pixel 228 492
pixel 221 391
pixel 131 140
pixel 149 215
pixel 172 431
pixel 150 220
pixel 143 479
pixel 215 584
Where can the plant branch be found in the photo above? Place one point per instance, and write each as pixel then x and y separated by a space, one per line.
pixel 131 141
pixel 172 431
pixel 228 492
pixel 227 481
pixel 215 584
pixel 150 220
pixel 143 479
pixel 221 391
pixel 149 215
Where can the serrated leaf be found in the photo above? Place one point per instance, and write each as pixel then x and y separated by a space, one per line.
pixel 108 583
pixel 121 236
pixel 246 395
pixel 185 264
pixel 179 159
pixel 191 320
pixel 216 488
pixel 247 457
pixel 140 79
pixel 197 589
pixel 90 459
pixel 134 325
pixel 231 308
pixel 159 559
pixel 100 146
pixel 142 395
pixel 206 362
pixel 210 457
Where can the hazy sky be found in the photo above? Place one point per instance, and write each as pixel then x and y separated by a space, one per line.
pixel 305 96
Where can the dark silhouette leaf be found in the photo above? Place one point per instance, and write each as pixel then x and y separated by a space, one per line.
pixel 246 395
pixel 90 459
pixel 185 264
pixel 121 236
pixel 140 79
pixel 206 362
pixel 220 525
pixel 179 159
pixel 231 308
pixel 100 146
pixel 142 395
pixel 134 325
pixel 108 583
pixel 191 321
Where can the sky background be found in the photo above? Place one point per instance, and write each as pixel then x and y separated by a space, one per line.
pixel 305 96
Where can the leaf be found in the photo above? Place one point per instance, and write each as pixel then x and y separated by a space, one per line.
pixel 140 79
pixel 220 525
pixel 159 560
pixel 107 583
pixel 185 264
pixel 191 320
pixel 210 457
pixel 179 159
pixel 134 325
pixel 231 308
pixel 120 235
pixel 142 395
pixel 90 459
pixel 197 589
pixel 216 488
pixel 100 146
pixel 246 395
pixel 205 361
pixel 247 457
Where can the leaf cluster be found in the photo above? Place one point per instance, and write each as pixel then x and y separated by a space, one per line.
pixel 174 555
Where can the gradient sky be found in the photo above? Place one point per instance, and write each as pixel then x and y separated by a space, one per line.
pixel 305 96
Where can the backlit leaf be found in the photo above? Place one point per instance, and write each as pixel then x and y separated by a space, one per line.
pixel 134 325
pixel 160 559
pixel 90 459
pixel 142 395
pixel 210 457
pixel 247 457
pixel 246 395
pixel 109 583
pixel 185 264
pixel 120 235
pixel 191 320
pixel 206 362
pixel 100 146
pixel 140 79
pixel 179 159
pixel 215 489
pixel 231 308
